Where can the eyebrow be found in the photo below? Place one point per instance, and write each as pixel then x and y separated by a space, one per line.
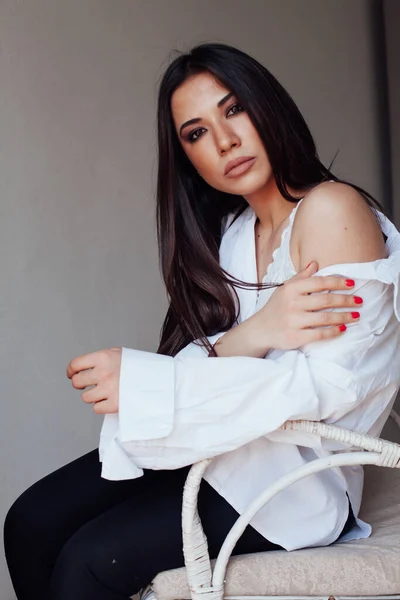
pixel 197 119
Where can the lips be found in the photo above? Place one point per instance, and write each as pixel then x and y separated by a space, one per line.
pixel 235 163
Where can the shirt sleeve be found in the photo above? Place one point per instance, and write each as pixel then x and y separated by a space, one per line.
pixel 176 411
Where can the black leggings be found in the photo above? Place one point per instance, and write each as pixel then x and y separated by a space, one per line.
pixel 74 535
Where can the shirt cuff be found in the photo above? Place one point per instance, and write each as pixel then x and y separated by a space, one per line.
pixel 116 464
pixel 146 395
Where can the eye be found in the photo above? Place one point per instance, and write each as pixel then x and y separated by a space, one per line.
pixel 192 137
pixel 196 133
pixel 238 106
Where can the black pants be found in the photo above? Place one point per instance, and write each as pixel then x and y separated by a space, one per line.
pixel 75 536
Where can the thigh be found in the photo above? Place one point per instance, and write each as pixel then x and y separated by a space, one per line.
pixel 114 555
pixel 118 553
pixel 218 517
pixel 48 513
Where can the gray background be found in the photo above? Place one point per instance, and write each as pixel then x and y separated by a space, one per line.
pixel 78 254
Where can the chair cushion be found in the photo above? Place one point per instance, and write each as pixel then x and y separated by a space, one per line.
pixel 369 566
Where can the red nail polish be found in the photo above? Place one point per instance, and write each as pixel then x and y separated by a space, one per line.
pixel 342 327
pixel 355 315
pixel 350 282
pixel 308 265
pixel 358 300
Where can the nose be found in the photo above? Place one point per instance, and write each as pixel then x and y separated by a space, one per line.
pixel 226 139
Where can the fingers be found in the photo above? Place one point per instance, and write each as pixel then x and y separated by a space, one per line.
pixel 319 309
pixel 317 335
pixel 316 302
pixel 95 394
pixel 83 379
pixel 329 319
pixel 80 363
pixel 89 361
pixel 320 334
pixel 327 282
pixel 103 408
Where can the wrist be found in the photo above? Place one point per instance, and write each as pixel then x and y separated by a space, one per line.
pixel 260 340
pixel 245 339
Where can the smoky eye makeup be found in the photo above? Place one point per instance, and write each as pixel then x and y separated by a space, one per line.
pixel 221 103
pixel 191 136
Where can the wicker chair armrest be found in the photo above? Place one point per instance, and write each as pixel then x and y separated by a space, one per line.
pixel 209 586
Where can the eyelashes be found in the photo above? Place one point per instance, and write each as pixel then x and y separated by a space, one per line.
pixel 192 137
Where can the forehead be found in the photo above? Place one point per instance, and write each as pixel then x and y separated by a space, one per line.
pixel 195 96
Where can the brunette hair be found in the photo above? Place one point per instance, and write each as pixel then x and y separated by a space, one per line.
pixel 190 213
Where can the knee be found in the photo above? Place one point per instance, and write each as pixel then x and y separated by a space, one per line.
pixel 19 533
pixel 16 518
pixel 26 515
pixel 71 577
pixel 79 571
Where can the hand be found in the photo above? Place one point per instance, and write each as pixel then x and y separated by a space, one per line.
pixel 289 319
pixel 102 370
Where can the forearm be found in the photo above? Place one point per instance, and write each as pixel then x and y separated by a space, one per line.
pixel 245 339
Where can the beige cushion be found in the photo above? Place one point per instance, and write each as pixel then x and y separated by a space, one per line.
pixel 363 567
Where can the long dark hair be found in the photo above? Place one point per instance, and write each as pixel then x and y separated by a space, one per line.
pixel 190 212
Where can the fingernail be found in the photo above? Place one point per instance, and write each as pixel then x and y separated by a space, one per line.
pixel 355 315
pixel 308 265
pixel 358 300
pixel 342 327
pixel 350 282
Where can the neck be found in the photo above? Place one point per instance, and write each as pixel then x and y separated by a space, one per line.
pixel 270 206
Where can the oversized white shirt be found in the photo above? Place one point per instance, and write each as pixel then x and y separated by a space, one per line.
pixel 175 411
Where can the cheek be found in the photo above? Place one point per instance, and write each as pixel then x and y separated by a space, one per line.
pixel 201 160
pixel 250 133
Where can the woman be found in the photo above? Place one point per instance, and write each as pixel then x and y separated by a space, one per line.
pixel 255 334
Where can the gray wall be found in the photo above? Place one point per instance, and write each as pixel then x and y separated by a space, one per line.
pixel 391 79
pixel 77 177
pixel 391 24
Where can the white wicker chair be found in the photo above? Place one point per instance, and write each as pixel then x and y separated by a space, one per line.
pixel 357 569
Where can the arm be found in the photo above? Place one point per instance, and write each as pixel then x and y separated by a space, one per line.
pixel 198 408
pixel 242 340
pixel 195 409
pixel 356 236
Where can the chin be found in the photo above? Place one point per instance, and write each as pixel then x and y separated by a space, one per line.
pixel 241 187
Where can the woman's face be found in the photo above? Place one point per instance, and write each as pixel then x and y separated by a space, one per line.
pixel 222 132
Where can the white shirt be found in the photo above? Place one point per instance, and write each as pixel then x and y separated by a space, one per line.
pixel 175 411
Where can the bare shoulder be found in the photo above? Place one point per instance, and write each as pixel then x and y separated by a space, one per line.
pixel 334 224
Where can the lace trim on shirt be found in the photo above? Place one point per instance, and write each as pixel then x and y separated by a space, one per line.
pixel 281 267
